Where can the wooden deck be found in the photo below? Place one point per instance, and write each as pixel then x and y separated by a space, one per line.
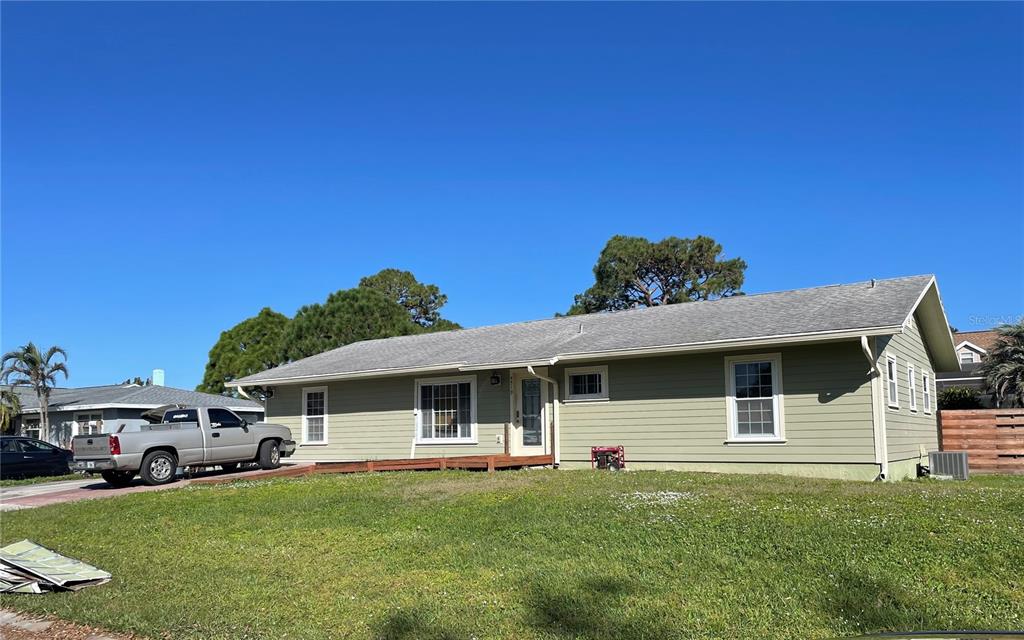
pixel 488 463
pixel 481 463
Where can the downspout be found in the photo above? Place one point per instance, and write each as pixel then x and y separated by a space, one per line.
pixel 555 448
pixel 877 411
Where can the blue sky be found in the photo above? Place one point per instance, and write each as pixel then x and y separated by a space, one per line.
pixel 169 169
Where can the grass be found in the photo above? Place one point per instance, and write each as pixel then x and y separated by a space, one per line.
pixel 540 554
pixel 40 479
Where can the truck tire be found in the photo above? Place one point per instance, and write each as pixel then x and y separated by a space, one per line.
pixel 270 454
pixel 229 467
pixel 118 479
pixel 158 468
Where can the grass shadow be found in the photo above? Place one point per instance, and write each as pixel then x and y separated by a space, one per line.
pixel 595 607
pixel 412 625
pixel 872 604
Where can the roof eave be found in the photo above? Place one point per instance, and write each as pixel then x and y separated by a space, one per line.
pixel 935 327
pixel 119 405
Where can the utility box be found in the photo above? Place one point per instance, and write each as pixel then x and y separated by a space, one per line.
pixel 948 464
pixel 608 458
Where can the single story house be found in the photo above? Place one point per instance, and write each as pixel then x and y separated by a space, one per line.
pixel 834 381
pixel 971 347
pixel 110 408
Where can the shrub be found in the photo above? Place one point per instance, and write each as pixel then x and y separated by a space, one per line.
pixel 959 398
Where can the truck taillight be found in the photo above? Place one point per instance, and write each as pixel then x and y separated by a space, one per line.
pixel 72 446
pixel 115 445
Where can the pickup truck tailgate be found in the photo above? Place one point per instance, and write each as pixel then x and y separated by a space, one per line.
pixel 86 447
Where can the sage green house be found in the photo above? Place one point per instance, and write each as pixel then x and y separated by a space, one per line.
pixel 835 381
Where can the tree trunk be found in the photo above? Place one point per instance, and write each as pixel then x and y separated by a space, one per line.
pixel 44 412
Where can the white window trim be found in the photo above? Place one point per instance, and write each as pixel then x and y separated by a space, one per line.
pixel 587 397
pixel 912 387
pixel 892 380
pixel 36 426
pixel 926 389
pixel 472 439
pixel 305 431
pixel 78 422
pixel 777 400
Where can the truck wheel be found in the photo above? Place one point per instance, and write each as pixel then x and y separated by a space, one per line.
pixel 118 479
pixel 229 466
pixel 270 455
pixel 158 468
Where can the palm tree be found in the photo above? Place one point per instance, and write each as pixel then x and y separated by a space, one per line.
pixel 1003 366
pixel 10 408
pixel 27 366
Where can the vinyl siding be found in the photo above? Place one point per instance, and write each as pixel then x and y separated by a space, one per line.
pixel 907 431
pixel 374 419
pixel 669 409
pixel 673 409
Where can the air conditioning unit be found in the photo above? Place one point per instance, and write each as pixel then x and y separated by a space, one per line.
pixel 948 464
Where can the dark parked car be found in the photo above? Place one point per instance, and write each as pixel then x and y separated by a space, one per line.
pixel 27 458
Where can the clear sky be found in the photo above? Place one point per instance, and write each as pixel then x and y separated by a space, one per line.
pixel 169 169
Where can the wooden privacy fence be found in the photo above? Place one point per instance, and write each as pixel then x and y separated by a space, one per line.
pixel 992 438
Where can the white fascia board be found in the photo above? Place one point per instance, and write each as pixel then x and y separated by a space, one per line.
pixel 973 347
pixel 742 343
pixel 119 405
pixel 510 365
pixel 355 375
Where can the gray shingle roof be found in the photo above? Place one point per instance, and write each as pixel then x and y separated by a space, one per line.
pixel 863 305
pixel 151 396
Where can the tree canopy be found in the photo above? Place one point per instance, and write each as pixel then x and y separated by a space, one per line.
pixel 253 345
pixel 422 301
pixel 28 366
pixel 348 315
pixel 1003 366
pixel 389 303
pixel 635 272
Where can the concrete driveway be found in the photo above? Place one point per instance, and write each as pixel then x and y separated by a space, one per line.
pixel 37 495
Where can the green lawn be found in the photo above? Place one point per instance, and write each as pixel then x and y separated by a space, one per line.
pixel 541 554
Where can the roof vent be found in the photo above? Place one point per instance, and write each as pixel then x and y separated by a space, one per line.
pixel 872 283
pixel 581 328
pixel 158 377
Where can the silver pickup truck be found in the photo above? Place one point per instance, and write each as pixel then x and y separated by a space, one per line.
pixel 187 437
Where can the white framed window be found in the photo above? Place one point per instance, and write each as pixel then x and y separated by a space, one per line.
pixel 446 410
pixel 314 415
pixel 754 398
pixel 926 389
pixel 967 356
pixel 912 387
pixel 586 383
pixel 31 428
pixel 89 423
pixel 893 386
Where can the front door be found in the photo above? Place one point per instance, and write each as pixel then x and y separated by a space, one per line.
pixel 529 426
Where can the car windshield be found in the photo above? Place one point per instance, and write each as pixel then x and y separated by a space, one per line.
pixel 181 415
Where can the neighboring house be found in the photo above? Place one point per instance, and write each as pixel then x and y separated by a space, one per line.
pixel 832 381
pixel 108 408
pixel 971 348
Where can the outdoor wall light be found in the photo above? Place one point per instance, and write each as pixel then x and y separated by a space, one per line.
pixel 495 378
